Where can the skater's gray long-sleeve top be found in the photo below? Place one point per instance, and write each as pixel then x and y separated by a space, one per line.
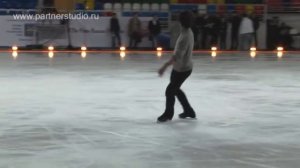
pixel 184 51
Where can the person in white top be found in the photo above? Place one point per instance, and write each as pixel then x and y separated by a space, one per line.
pixel 182 69
pixel 246 33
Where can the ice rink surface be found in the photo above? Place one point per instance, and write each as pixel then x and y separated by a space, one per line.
pixel 100 112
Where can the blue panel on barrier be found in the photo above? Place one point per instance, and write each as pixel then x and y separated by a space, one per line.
pixel 99 6
pixel 164 40
pixel 15 12
pixel 146 14
pixel 79 6
pixel 230 8
pixel 32 12
pixel 17 4
pixel 182 7
pixel 164 19
pixel 3 4
pixel 211 8
pixel 3 13
pixel 30 6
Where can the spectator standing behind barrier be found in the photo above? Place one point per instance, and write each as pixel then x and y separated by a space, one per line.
pixel 235 24
pixel 285 39
pixel 208 32
pixel 204 32
pixel 134 31
pixel 115 30
pixel 256 20
pixel 273 30
pixel 246 33
pixel 199 21
pixel 195 29
pixel 223 33
pixel 215 30
pixel 154 28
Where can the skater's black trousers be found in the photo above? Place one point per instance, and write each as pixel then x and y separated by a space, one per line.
pixel 173 89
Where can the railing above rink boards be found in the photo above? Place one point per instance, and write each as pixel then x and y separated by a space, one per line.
pixel 17 11
pixel 37 11
pixel 89 12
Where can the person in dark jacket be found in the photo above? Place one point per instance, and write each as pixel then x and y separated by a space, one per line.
pixel 215 30
pixel 273 31
pixel 154 28
pixel 207 32
pixel 235 25
pixel 196 28
pixel 285 39
pixel 115 30
pixel 199 21
pixel 204 32
pixel 223 33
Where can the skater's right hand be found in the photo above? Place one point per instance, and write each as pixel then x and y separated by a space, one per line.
pixel 161 71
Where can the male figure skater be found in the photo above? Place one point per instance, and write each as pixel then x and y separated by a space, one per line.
pixel 182 69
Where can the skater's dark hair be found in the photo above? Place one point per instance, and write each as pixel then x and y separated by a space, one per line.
pixel 186 19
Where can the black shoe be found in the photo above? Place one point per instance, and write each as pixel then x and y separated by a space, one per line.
pixel 165 117
pixel 186 114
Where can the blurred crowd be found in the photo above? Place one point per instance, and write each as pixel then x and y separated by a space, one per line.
pixel 218 30
pixel 209 30
pixel 134 31
pixel 230 32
